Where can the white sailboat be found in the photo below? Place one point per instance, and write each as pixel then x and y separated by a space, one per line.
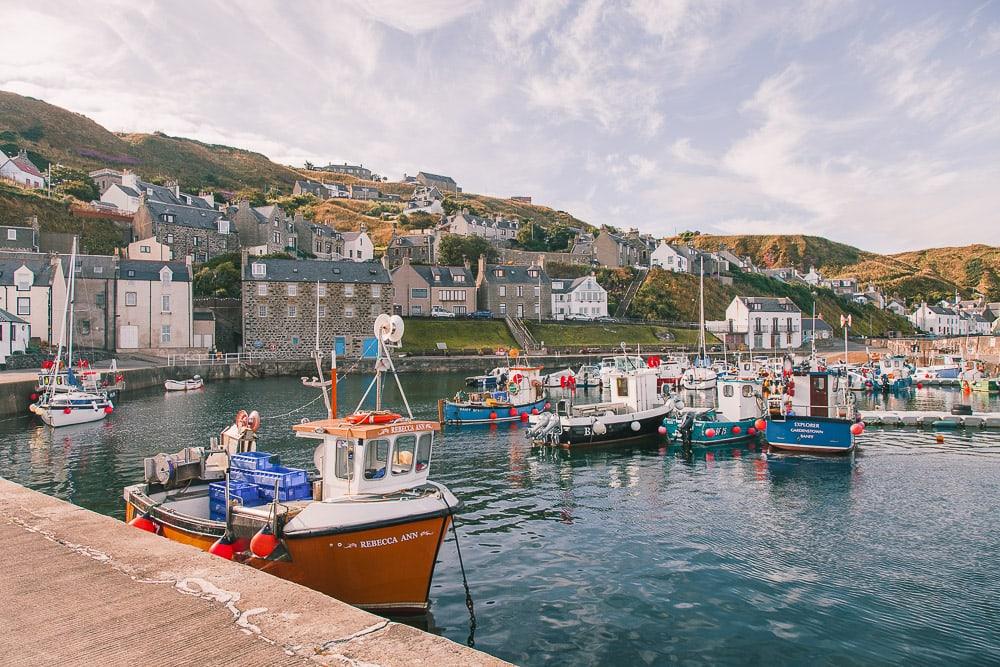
pixel 700 375
pixel 66 408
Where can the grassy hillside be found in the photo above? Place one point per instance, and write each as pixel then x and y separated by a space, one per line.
pixel 974 267
pixel 424 334
pixel 583 335
pixel 99 237
pixel 53 134
pixel 795 250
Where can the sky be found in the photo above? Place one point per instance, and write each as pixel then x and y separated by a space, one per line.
pixel 871 123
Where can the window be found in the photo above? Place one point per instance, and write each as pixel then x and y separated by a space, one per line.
pixel 348 290
pixel 502 290
pixel 223 226
pixel 348 312
pixel 460 310
pixel 343 459
pixel 622 386
pixel 165 303
pixel 276 237
pixel 98 269
pixel 23 305
pixel 322 311
pixel 536 307
pixel 84 327
pixel 293 289
pixel 503 308
pixel 424 452
pixel 376 310
pixel 261 289
pixel 145 249
pixel 403 454
pixel 170 239
pixel 320 289
pixel 11 234
pixel 165 333
pixel 520 290
pixel 458 277
pixel 262 311
pixel 258 269
pixel 100 300
pixel 418 292
pixel 376 457
pixel 727 391
pixel 295 340
pixel 166 275
pixel 416 309
pixel 293 310
pixel 376 291
pixel 196 241
pixel 537 290
pixel 131 298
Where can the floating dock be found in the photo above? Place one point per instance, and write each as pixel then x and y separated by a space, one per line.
pixel 930 418
pixel 81 588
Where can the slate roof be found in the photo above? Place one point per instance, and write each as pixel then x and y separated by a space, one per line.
pixel 10 317
pixel 149 270
pixel 100 267
pixel 513 274
pixel 771 304
pixel 25 165
pixel 40 267
pixel 203 316
pixel 446 275
pixel 941 310
pixel 311 186
pixel 570 284
pixel 324 231
pixel 350 236
pixel 436 177
pixel 412 240
pixel 808 324
pixel 311 271
pixel 185 216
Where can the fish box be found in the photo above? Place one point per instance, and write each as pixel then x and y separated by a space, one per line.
pixel 254 461
pixel 248 494
pixel 217 510
pixel 296 492
pixel 285 477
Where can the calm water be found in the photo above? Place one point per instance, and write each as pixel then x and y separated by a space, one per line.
pixel 633 556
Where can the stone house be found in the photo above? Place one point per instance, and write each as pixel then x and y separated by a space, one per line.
pixel 129 194
pixel 614 250
pixel 263 229
pixel 154 306
pixel 418 288
pixel 19 239
pixel 417 248
pixel 581 297
pixel 21 170
pixel 189 231
pixel 33 288
pixel 442 183
pixel 517 291
pixel 321 240
pixel 357 170
pixel 841 286
pixel 93 300
pixel 105 178
pixel 284 301
pixel 497 229
pixel 312 188
pixel 364 192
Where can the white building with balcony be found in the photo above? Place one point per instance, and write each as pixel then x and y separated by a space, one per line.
pixel 761 323
pixel 578 298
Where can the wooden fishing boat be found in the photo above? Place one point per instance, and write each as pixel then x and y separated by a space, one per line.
pixel 365 528
pixel 812 411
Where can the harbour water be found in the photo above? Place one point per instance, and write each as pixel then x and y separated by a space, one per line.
pixel 640 555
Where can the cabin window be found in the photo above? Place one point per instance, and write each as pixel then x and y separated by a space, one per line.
pixel 622 387
pixel 376 457
pixel 424 452
pixel 820 383
pixel 747 391
pixel 403 454
pixel 342 462
pixel 727 391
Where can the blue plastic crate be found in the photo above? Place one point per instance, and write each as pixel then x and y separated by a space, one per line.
pixel 297 492
pixel 254 461
pixel 286 477
pixel 217 510
pixel 248 494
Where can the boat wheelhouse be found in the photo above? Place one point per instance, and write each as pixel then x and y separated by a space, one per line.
pixel 518 396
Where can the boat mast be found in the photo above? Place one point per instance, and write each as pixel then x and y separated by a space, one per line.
pixel 62 327
pixel 72 309
pixel 703 351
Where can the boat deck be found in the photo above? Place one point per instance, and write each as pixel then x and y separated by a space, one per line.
pixel 929 418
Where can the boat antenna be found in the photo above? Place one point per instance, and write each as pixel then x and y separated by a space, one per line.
pixel 388 333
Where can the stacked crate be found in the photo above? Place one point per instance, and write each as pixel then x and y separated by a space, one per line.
pixel 254 478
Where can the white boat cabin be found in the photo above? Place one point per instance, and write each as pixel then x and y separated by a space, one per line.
pixel 738 399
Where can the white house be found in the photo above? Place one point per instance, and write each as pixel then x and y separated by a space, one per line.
pixel 14 335
pixel 149 249
pixel 761 323
pixel 976 324
pixel 896 306
pixel 578 298
pixel 154 305
pixel 358 246
pixel 814 277
pixel 937 319
pixel 668 258
pixel 33 287
pixel 21 170
pixel 125 196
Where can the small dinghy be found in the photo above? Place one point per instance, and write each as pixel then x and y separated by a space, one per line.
pixel 184 385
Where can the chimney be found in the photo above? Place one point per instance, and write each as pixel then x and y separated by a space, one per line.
pixel 405 262
pixel 482 267
pixel 129 179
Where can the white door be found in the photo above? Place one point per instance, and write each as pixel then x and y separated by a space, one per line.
pixel 128 337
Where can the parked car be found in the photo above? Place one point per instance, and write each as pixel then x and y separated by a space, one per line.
pixel 481 315
pixel 576 317
pixel 439 311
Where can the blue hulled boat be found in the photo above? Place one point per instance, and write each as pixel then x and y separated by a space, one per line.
pixel 518 392
pixel 733 421
pixel 812 412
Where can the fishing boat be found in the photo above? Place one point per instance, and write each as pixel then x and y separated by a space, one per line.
pixel 734 420
pixel 700 376
pixel 635 410
pixel 621 363
pixel 515 400
pixel 184 385
pixel 670 369
pixel 989 385
pixel 74 406
pixel 811 411
pixel 949 369
pixel 365 528
pixel 488 380
pixel 564 379
pixel 588 376
pixel 893 373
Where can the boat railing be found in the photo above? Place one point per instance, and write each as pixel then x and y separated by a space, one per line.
pixel 218 358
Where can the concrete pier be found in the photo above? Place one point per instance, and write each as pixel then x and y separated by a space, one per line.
pixel 81 588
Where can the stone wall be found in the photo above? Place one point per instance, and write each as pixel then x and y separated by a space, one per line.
pixel 512 256
pixel 489 298
pixel 288 327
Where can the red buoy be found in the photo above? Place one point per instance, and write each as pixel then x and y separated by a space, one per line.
pixel 857 428
pixel 524 416
pixel 534 411
pixel 709 432
pixel 223 548
pixel 66 411
pixel 737 430
pixel 920 385
pixel 751 431
pixel 493 415
pixel 143 522
pixel 264 542
pixel 108 409
pixel 760 424
pixel 513 412
pixel 548 406
pixel 34 397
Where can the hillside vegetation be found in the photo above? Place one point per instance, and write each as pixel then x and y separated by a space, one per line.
pixel 98 237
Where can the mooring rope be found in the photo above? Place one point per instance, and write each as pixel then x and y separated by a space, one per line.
pixel 340 376
pixel 465 582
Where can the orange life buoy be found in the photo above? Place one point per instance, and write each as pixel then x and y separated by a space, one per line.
pixel 373 417
pixel 241 419
pixel 253 421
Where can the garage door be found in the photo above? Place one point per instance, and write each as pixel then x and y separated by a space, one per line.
pixel 128 337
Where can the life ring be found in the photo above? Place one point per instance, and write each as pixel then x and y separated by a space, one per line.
pixel 373 417
pixel 653 362
pixel 513 389
pixel 517 379
pixel 253 420
pixel 241 419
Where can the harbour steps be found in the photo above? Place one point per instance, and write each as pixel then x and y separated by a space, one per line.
pixel 930 418
pixel 81 588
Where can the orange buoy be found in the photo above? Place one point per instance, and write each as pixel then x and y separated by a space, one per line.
pixel 143 522
pixel 760 424
pixel 223 548
pixel 264 542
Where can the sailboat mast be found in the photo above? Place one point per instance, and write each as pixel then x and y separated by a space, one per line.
pixel 71 297
pixel 701 311
pixel 62 326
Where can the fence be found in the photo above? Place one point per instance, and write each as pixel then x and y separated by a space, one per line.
pixel 219 358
